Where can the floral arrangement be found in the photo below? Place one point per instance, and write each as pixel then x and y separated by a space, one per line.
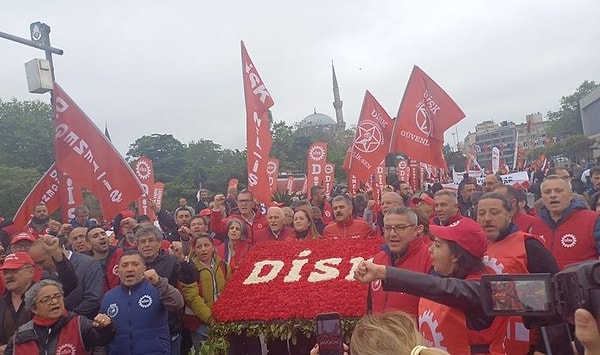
pixel 280 287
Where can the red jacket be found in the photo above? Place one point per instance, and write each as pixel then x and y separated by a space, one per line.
pixel 572 240
pixel 240 249
pixel 111 274
pixel 352 228
pixel 415 258
pixel 219 225
pixel 266 234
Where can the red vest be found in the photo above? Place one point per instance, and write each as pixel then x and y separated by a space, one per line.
pixel 111 277
pixel 446 328
pixel 509 256
pixel 69 341
pixel 573 239
pixel 327 213
pixel 416 258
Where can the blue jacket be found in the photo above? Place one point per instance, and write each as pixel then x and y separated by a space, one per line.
pixel 141 320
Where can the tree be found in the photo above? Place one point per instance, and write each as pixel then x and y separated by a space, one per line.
pixel 574 147
pixel 26 134
pixel 17 182
pixel 567 120
pixel 166 152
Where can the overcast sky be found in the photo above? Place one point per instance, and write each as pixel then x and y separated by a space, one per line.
pixel 147 67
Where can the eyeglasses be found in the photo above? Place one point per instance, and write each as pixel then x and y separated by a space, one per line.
pixel 48 299
pixel 396 229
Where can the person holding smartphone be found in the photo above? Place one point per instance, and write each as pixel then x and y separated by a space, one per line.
pixel 451 315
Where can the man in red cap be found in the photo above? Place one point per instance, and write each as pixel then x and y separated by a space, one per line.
pixel 21 242
pixel 425 204
pixel 18 278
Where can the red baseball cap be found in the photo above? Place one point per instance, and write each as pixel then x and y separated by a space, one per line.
pixel 465 232
pixel 16 261
pixel 425 198
pixel 205 212
pixel 22 236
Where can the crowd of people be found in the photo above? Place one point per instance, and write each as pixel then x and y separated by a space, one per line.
pixel 146 286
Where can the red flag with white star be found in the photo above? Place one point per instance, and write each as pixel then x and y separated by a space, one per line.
pixel 371 142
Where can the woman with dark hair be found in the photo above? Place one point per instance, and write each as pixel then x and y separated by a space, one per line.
pixel 450 311
pixel 304 225
pixel 235 247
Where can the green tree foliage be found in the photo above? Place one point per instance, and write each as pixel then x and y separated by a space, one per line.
pixel 166 152
pixel 26 134
pixel 567 120
pixel 574 147
pixel 16 184
pixel 456 158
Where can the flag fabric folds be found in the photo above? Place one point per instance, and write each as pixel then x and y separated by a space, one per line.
pixel 45 191
pixel 425 113
pixel 86 155
pixel 371 142
pixel 258 136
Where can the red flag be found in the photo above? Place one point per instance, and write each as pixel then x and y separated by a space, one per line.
pixel 425 113
pixel 86 155
pixel 380 180
pixel 144 170
pixel 45 191
pixel 329 178
pixel 316 158
pixel 233 182
pixel 273 171
pixel 403 170
pixel 258 135
pixel 371 142
pixel 415 173
pixel 71 196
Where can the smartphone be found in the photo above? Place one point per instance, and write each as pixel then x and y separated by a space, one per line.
pixel 329 334
pixel 517 295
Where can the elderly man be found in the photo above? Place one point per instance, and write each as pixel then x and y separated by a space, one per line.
pixel 252 217
pixel 18 278
pixel 446 208
pixel 511 251
pixel 569 230
pixel 140 308
pixel 389 200
pixel 277 230
pixel 344 226
pixel 491 182
pixel 403 248
pixel 78 242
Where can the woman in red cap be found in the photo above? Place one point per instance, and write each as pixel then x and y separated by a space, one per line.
pixel 451 315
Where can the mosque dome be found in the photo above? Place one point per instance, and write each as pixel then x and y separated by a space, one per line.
pixel 316 120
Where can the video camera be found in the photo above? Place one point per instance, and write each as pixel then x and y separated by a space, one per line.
pixel 545 299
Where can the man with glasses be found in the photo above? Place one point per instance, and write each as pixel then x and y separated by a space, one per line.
pixel 403 248
pixel 18 278
pixel 254 220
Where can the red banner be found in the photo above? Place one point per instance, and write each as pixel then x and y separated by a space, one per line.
pixel 71 196
pixel 403 170
pixel 425 113
pixel 86 155
pixel 159 189
pixel 258 135
pixel 329 178
pixel 414 175
pixel 45 191
pixel 273 172
pixel 316 158
pixel 371 142
pixel 233 182
pixel 319 270
pixel 144 170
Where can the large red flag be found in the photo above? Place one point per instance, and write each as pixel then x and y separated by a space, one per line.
pixel 86 155
pixel 425 113
pixel 45 191
pixel 258 135
pixel 144 171
pixel 316 158
pixel 371 142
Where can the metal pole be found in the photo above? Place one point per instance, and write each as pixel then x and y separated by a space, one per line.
pixel 31 43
